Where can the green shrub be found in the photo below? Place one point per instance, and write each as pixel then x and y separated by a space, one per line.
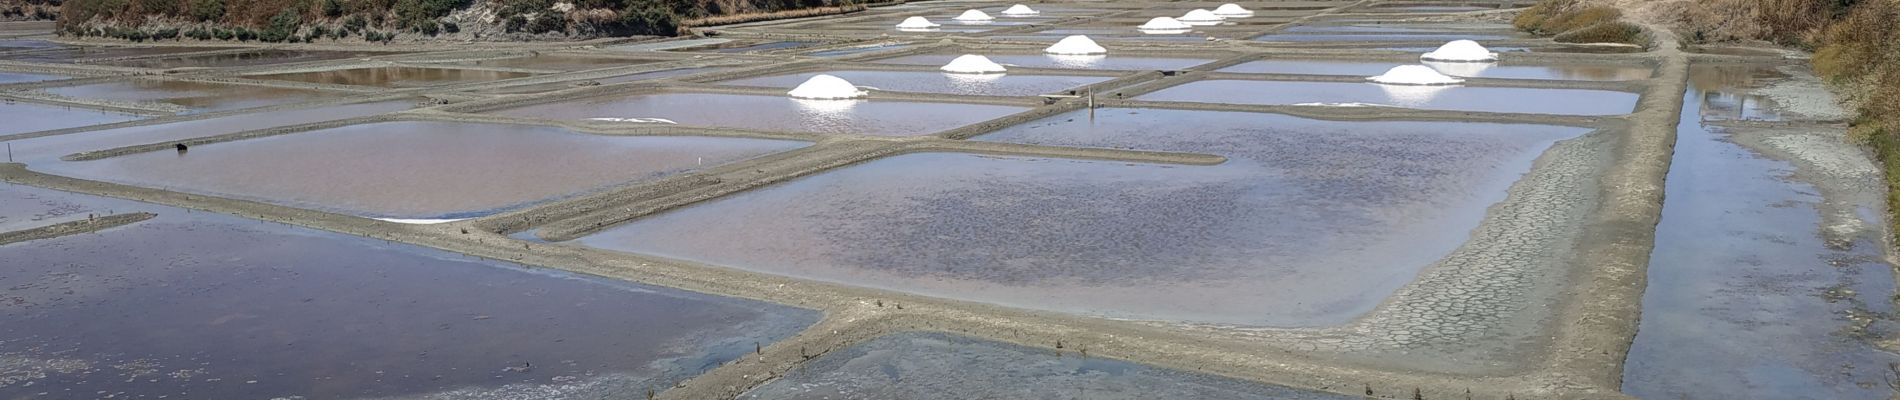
pixel 332 8
pixel 282 27
pixel 428 28
pixel 547 23
pixel 207 10
pixel 451 27
pixel 224 34
pixel 515 23
pixel 356 23
pixel 1608 32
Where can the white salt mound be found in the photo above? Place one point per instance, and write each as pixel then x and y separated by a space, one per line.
pixel 973 64
pixel 826 87
pixel 974 15
pixel 1459 69
pixel 1164 24
pixel 1460 51
pixel 1020 10
pixel 1414 75
pixel 1200 15
pixel 916 23
pixel 1232 10
pixel 1076 45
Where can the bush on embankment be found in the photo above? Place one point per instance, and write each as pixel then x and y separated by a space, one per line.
pixel 29 10
pixel 1573 21
pixel 385 20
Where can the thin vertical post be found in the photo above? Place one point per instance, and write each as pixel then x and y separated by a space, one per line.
pixel 1091 105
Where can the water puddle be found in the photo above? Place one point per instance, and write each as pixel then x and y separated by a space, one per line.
pixel 203 305
pixel 249 59
pixel 1130 63
pixel 396 76
pixel 421 170
pixel 23 117
pixel 781 113
pixel 195 96
pixel 1234 243
pixel 1726 96
pixel 940 366
pixel 936 82
pixel 1455 98
pixel 1468 70
pixel 1754 289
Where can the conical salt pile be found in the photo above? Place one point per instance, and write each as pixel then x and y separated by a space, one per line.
pixel 826 87
pixel 1232 10
pixel 973 64
pixel 1414 75
pixel 1164 24
pixel 1460 51
pixel 1200 15
pixel 1076 45
pixel 916 23
pixel 1020 10
pixel 974 15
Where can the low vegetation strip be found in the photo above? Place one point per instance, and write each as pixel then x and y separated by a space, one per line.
pixel 296 21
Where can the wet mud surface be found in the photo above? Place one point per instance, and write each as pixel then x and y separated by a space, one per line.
pixel 421 169
pixel 198 305
pixel 865 117
pixel 1240 243
pixel 938 366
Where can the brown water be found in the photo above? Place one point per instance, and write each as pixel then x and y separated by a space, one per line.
pixel 936 82
pixel 422 169
pixel 889 118
pixel 23 117
pixel 248 59
pixel 1468 70
pixel 82 53
pixel 548 87
pixel 396 76
pixel 1455 98
pixel 200 305
pixel 1310 223
pixel 564 62
pixel 198 96
pixel 43 153
pixel 1055 61
pixel 919 366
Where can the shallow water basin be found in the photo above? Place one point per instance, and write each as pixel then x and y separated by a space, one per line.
pixel 396 76
pixel 205 305
pixel 19 77
pixel 194 96
pixel 921 366
pixel 562 62
pixel 780 113
pixel 83 53
pixel 422 170
pixel 23 117
pixel 43 153
pixel 936 82
pixel 553 86
pixel 249 59
pixel 1468 70
pixel 1309 223
pixel 1104 62
pixel 1376 37
pixel 1455 98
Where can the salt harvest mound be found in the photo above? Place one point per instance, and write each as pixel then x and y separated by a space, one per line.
pixel 1232 10
pixel 1200 15
pixel 1164 24
pixel 1459 69
pixel 1414 75
pixel 826 87
pixel 916 23
pixel 974 16
pixel 1018 10
pixel 973 64
pixel 1460 51
pixel 1076 45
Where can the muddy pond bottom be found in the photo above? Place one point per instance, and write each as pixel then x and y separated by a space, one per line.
pixel 922 366
pixel 193 97
pixel 1103 62
pixel 936 82
pixel 396 76
pixel 249 59
pixel 778 113
pixel 1453 98
pixel 1309 223
pixel 202 305
pixel 424 170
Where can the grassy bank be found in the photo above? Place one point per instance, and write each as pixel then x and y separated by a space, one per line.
pixel 1575 21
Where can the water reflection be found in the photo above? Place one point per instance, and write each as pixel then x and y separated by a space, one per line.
pixel 1412 96
pixel 836 108
pixel 1460 69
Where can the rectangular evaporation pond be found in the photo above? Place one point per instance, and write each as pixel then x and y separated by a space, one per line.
pixel 936 82
pixel 857 50
pixel 1468 70
pixel 1115 62
pixel 211 306
pixel 18 77
pixel 26 207
pixel 75 53
pixel 1409 37
pixel 778 113
pixel 43 153
pixel 423 170
pixel 25 117
pixel 396 76
pixel 198 96
pixel 1309 223
pixel 1377 28
pixel 553 86
pixel 760 47
pixel 940 366
pixel 1455 98
pixel 564 62
pixel 248 59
